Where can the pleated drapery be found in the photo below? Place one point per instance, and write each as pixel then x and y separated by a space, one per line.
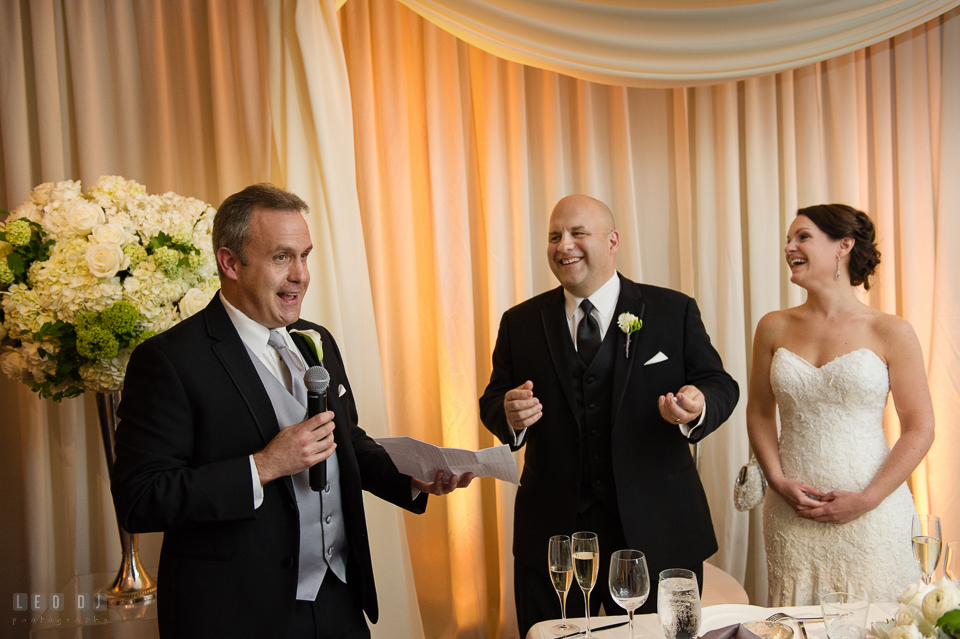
pixel 461 156
pixel 431 166
pixel 652 43
pixel 200 98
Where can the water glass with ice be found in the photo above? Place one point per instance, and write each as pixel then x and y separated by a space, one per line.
pixel 844 614
pixel 678 604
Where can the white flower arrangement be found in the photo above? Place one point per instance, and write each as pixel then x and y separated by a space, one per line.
pixel 925 611
pixel 86 277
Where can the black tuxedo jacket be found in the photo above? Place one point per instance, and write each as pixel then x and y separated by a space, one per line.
pixel 193 410
pixel 661 501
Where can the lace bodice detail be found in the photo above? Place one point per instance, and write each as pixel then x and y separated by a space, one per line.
pixel 831 437
pixel 829 418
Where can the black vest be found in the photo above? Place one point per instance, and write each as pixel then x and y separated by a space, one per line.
pixel 593 394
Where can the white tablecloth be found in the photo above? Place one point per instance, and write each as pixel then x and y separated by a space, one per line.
pixel 648 626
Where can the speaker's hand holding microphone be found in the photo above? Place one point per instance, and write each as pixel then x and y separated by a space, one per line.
pixel 295 448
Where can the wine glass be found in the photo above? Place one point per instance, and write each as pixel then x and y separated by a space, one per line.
pixel 951 563
pixel 586 562
pixel 561 574
pixel 926 544
pixel 629 581
pixel 678 604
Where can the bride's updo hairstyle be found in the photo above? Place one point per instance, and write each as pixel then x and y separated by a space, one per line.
pixel 839 221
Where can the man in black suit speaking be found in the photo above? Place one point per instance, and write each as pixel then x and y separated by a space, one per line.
pixel 214 446
pixel 606 420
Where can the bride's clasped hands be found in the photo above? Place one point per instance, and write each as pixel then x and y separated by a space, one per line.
pixel 836 507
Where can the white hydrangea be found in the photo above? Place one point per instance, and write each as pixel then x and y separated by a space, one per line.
pixel 106 375
pixel 65 285
pixel 55 192
pixel 23 312
pixel 89 271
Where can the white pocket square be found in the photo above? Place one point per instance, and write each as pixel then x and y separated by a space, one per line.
pixel 341 391
pixel 659 357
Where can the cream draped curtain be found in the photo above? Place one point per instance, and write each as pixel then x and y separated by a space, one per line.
pixel 461 156
pixel 646 43
pixel 201 98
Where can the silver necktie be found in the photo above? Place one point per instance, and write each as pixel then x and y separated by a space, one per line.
pixel 298 390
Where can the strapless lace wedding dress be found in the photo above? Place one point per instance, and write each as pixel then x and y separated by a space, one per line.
pixel 831 437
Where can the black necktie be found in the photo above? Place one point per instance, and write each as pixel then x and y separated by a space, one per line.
pixel 588 334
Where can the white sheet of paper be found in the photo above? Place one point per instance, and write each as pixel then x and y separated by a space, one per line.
pixel 422 460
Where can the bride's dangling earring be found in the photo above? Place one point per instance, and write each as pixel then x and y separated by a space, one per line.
pixel 838 267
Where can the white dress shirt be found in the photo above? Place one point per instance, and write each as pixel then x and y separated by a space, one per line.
pixel 255 336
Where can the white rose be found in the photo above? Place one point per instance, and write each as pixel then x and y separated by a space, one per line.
pixel 112 233
pixel 104 260
pixel 11 365
pixel 82 216
pixel 942 599
pixel 194 301
pixel 911 596
pixel 905 632
pixel 27 210
pixel 906 615
pixel 881 630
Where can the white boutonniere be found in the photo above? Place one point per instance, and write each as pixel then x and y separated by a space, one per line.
pixel 314 343
pixel 629 323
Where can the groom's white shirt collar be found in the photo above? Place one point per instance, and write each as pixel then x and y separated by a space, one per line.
pixel 604 301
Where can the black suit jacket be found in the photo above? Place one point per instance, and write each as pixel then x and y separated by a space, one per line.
pixel 193 410
pixel 662 503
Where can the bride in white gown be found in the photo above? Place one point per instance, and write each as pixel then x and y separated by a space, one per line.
pixel 837 517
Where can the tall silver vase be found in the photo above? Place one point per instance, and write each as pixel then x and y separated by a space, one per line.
pixel 133 584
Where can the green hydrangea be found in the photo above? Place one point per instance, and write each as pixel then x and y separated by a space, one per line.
pixel 169 260
pixel 122 317
pixel 137 254
pixel 196 261
pixel 87 321
pixel 19 232
pixel 96 342
pixel 183 237
pixel 6 275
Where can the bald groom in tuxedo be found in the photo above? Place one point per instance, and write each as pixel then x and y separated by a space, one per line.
pixel 606 423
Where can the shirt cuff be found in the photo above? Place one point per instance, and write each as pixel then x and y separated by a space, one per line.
pixel 518 436
pixel 687 429
pixel 257 487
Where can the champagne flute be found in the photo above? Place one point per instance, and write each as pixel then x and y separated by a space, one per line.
pixel 629 581
pixel 951 563
pixel 586 562
pixel 926 544
pixel 678 604
pixel 561 574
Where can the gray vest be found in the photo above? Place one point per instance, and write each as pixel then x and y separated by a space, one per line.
pixel 323 539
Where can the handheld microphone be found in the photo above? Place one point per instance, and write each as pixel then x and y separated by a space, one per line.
pixel 317 379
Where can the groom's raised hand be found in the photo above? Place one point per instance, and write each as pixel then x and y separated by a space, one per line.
pixel 521 407
pixel 682 408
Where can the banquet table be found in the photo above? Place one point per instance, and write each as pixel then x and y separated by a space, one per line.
pixel 713 617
